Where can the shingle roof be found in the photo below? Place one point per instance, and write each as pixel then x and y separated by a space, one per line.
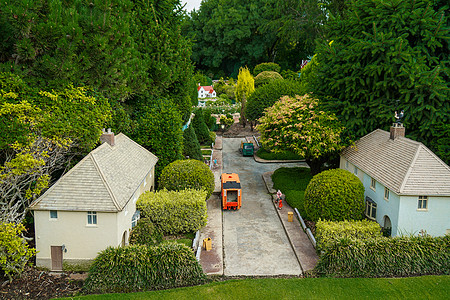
pixel 104 180
pixel 404 166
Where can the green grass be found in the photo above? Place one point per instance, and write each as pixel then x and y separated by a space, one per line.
pixel 286 155
pixel 424 287
pixel 185 238
pixel 293 182
pixel 206 152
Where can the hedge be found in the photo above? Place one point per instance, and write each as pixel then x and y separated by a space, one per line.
pixel 200 127
pixel 174 212
pixel 266 77
pixel 335 195
pixel 140 268
pixel 268 66
pixel 145 233
pixel 187 174
pixel 386 257
pixel 329 232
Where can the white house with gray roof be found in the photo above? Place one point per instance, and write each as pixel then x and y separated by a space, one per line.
pixel 93 206
pixel 407 187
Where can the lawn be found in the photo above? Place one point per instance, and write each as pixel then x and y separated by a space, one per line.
pixel 206 152
pixel 292 182
pixel 286 155
pixel 424 287
pixel 185 238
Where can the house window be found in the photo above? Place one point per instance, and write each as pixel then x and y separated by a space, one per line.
pixel 355 170
pixel 371 209
pixel 92 217
pixel 386 194
pixel 373 183
pixel 423 203
pixel 346 164
pixel 135 218
pixel 53 214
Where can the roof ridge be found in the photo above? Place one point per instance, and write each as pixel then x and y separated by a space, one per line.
pixel 410 168
pixel 139 145
pixel 435 156
pixel 102 176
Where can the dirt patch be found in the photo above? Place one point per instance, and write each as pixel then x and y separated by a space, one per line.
pixel 35 284
pixel 236 130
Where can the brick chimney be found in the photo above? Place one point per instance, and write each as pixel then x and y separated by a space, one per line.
pixel 108 137
pixel 397 130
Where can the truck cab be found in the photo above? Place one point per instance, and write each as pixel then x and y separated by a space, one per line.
pixel 231 191
pixel 246 149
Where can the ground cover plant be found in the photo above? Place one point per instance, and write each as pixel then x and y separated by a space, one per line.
pixel 174 212
pixel 293 182
pixel 187 174
pixel 139 268
pixel 424 287
pixel 335 195
pixel 386 257
pixel 284 155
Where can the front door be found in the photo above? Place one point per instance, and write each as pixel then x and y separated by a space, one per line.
pixel 57 258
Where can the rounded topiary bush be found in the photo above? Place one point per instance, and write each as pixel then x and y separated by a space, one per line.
pixel 268 66
pixel 187 174
pixel 145 233
pixel 334 195
pixel 266 77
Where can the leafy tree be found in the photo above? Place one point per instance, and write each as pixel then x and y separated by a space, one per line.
pixel 191 146
pixel 158 129
pixel 200 127
pixel 14 251
pixel 245 86
pixel 297 124
pixel 266 96
pixel 269 66
pixel 376 64
pixel 266 77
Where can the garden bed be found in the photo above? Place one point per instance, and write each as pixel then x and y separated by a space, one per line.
pixel 286 155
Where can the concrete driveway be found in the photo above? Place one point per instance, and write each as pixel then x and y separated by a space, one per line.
pixel 254 241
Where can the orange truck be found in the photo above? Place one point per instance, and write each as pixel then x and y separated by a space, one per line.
pixel 231 191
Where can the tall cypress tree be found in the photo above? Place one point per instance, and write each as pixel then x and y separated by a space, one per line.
pixel 191 146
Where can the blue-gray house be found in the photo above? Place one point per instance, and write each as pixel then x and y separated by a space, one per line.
pixel 407 187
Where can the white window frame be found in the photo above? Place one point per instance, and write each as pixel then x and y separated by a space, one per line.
pixel 371 209
pixel 420 203
pixel 53 217
pixel 386 194
pixel 92 218
pixel 135 218
pixel 373 184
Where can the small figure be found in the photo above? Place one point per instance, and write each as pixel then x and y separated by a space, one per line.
pixel 399 117
pixel 279 193
pixel 280 203
pixel 215 163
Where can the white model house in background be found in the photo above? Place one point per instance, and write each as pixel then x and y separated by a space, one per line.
pixel 407 187
pixel 206 91
pixel 93 206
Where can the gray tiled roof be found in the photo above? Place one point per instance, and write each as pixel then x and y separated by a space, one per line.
pixel 104 180
pixel 404 166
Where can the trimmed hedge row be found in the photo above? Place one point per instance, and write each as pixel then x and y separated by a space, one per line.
pixel 140 268
pixel 329 232
pixel 187 174
pixel 386 257
pixel 174 211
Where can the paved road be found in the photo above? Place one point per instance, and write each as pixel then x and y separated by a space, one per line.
pixel 254 240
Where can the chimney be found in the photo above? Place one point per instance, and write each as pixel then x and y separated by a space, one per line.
pixel 107 137
pixel 397 130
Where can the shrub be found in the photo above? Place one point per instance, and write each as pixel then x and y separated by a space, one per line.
pixel 266 96
pixel 335 195
pixel 212 136
pixel 329 232
pixel 265 77
pixel 139 268
pixel 191 146
pixel 269 66
pixel 174 212
pixel 145 233
pixel 200 127
pixel 14 251
pixel 285 155
pixel 386 257
pixel 187 174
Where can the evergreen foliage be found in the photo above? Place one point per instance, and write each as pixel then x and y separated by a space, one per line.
pixel 269 66
pixel 386 257
pixel 191 146
pixel 266 77
pixel 335 195
pixel 174 212
pixel 140 268
pixel 14 251
pixel 383 56
pixel 200 127
pixel 145 233
pixel 245 86
pixel 187 174
pixel 266 96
